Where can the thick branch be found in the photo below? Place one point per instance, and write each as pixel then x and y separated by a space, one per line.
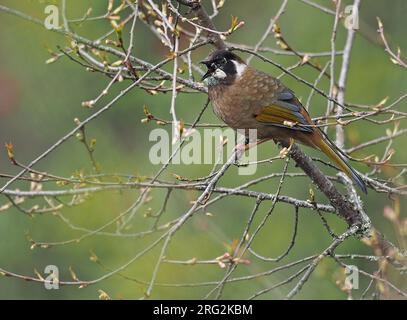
pixel 345 208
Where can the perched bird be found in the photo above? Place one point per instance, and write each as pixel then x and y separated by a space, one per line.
pixel 246 98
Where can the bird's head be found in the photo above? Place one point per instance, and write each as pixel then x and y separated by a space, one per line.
pixel 224 67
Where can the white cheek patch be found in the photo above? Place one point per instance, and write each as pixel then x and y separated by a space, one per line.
pixel 240 68
pixel 219 74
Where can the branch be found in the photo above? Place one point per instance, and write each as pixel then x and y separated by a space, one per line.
pixel 346 210
pixel 328 251
pixel 395 58
pixel 340 138
pixel 205 21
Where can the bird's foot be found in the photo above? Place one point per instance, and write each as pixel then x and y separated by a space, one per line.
pixel 242 147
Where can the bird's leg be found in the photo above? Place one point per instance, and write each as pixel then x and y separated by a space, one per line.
pixel 248 145
pixel 242 147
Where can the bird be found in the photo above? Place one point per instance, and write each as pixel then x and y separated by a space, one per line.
pixel 246 98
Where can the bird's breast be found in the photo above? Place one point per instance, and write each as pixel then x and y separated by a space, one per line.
pixel 231 107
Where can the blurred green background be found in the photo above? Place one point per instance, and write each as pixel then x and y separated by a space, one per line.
pixel 38 103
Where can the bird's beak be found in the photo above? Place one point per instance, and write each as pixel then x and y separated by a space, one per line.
pixel 206 75
pixel 205 62
pixel 209 72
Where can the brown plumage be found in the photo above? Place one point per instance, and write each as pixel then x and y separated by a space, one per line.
pixel 246 98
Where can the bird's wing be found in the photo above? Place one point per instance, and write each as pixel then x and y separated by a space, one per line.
pixel 284 110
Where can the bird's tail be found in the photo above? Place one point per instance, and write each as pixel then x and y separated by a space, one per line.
pixel 336 155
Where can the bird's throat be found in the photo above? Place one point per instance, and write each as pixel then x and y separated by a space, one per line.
pixel 212 81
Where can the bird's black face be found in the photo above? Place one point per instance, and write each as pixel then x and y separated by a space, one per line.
pixel 223 67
